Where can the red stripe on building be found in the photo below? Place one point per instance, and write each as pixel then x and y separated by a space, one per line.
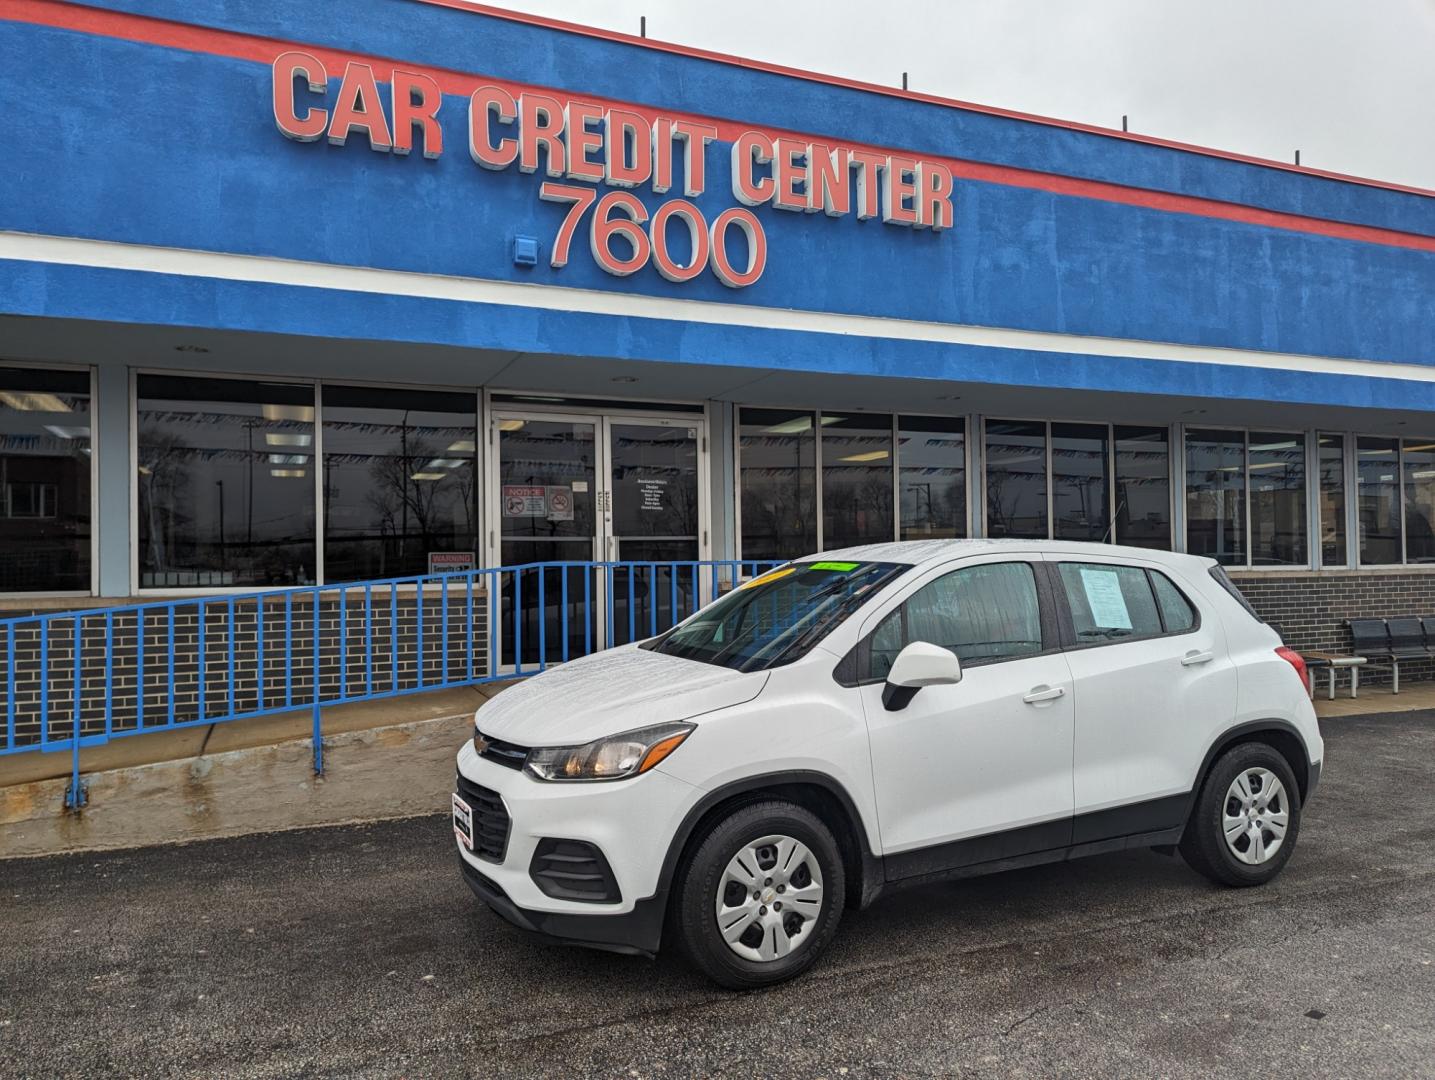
pixel 151 31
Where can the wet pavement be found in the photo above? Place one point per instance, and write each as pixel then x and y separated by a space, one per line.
pixel 358 951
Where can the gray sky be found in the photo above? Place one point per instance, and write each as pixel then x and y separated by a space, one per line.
pixel 1351 83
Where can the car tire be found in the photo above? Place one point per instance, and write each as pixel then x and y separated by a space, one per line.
pixel 1262 808
pixel 778 937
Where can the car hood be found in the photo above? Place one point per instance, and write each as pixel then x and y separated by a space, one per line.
pixel 610 692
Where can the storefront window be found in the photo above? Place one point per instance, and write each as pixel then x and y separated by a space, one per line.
pixel 399 480
pixel 856 479
pixel 1332 500
pixel 1378 499
pixel 1143 487
pixel 226 482
pixel 1418 467
pixel 932 476
pixel 1080 492
pixel 1216 495
pixel 44 480
pixel 1277 485
pixel 778 458
pixel 1016 479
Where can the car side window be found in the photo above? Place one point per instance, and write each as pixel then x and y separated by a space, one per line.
pixel 1176 611
pixel 982 613
pixel 1109 602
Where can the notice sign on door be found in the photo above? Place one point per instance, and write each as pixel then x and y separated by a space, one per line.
pixel 451 562
pixel 560 504
pixel 652 494
pixel 520 501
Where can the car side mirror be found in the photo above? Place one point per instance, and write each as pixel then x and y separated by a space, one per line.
pixel 919 664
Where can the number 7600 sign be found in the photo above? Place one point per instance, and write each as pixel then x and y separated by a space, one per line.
pixel 620 216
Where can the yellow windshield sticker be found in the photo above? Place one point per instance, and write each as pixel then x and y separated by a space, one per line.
pixel 771 575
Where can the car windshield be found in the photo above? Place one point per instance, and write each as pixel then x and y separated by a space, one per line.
pixel 778 617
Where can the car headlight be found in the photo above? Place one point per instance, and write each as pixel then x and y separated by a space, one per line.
pixel 612 758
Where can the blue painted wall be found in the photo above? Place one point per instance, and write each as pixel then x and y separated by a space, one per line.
pixel 155 146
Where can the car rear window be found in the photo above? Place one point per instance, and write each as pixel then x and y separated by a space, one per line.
pixel 1224 580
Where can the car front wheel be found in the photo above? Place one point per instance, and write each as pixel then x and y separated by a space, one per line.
pixel 761 896
pixel 1244 825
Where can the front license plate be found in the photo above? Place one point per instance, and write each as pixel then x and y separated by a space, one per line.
pixel 463 822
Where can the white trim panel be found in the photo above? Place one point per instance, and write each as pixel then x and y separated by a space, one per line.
pixel 104 254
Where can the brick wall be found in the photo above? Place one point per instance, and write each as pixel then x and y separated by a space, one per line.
pixel 1312 608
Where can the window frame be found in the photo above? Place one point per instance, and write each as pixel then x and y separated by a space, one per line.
pixel 317 384
pixel 1068 622
pixel 91 370
pixel 855 668
pixel 969 423
pixel 1353 499
pixel 1175 477
pixel 1310 487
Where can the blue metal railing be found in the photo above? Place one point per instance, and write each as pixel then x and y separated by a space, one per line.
pixel 76 679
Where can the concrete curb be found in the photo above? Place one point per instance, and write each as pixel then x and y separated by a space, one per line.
pixel 403 770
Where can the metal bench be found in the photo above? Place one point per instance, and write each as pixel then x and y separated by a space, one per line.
pixel 1386 642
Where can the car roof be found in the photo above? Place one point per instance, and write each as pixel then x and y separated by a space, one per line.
pixel 919 552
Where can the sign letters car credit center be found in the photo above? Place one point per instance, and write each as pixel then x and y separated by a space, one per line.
pixel 579 145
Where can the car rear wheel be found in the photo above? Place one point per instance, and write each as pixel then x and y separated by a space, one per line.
pixel 1244 825
pixel 761 895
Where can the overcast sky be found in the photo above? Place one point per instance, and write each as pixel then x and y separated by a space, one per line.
pixel 1351 83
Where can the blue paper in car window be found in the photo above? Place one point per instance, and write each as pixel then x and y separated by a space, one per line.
pixel 1103 596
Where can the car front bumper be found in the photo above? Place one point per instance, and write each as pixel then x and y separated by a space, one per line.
pixel 632 822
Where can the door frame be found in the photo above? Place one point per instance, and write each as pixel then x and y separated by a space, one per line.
pixel 604 539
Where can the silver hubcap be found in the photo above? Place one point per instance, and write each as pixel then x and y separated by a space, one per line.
pixel 768 898
pixel 1256 817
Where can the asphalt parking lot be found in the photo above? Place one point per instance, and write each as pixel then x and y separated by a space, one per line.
pixel 359 951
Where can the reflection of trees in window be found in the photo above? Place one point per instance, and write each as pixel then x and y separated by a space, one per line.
pixel 1016 479
pixel 778 483
pixel 931 463
pixel 399 479
pixel 229 498
pixel 1142 468
pixel 45 480
pixel 856 480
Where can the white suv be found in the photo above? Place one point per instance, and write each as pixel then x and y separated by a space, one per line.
pixel 880 716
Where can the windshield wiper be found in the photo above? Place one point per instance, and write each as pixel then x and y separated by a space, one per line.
pixel 813 633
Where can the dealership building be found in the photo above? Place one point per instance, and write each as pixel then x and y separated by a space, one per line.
pixel 290 299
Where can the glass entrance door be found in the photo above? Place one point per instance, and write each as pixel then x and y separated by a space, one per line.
pixel 546 508
pixel 628 491
pixel 654 522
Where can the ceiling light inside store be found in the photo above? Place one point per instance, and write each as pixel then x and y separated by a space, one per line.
pixel 289 412
pixel 1288 445
pixel 464 446
pixel 511 425
pixel 68 432
pixel 797 426
pixel 26 402
pixel 275 438
pixel 289 474
pixel 428 476
pixel 445 463
pixel 288 459
pixel 870 455
pixel 1421 446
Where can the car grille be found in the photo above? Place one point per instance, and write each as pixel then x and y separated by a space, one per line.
pixel 508 754
pixel 490 819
